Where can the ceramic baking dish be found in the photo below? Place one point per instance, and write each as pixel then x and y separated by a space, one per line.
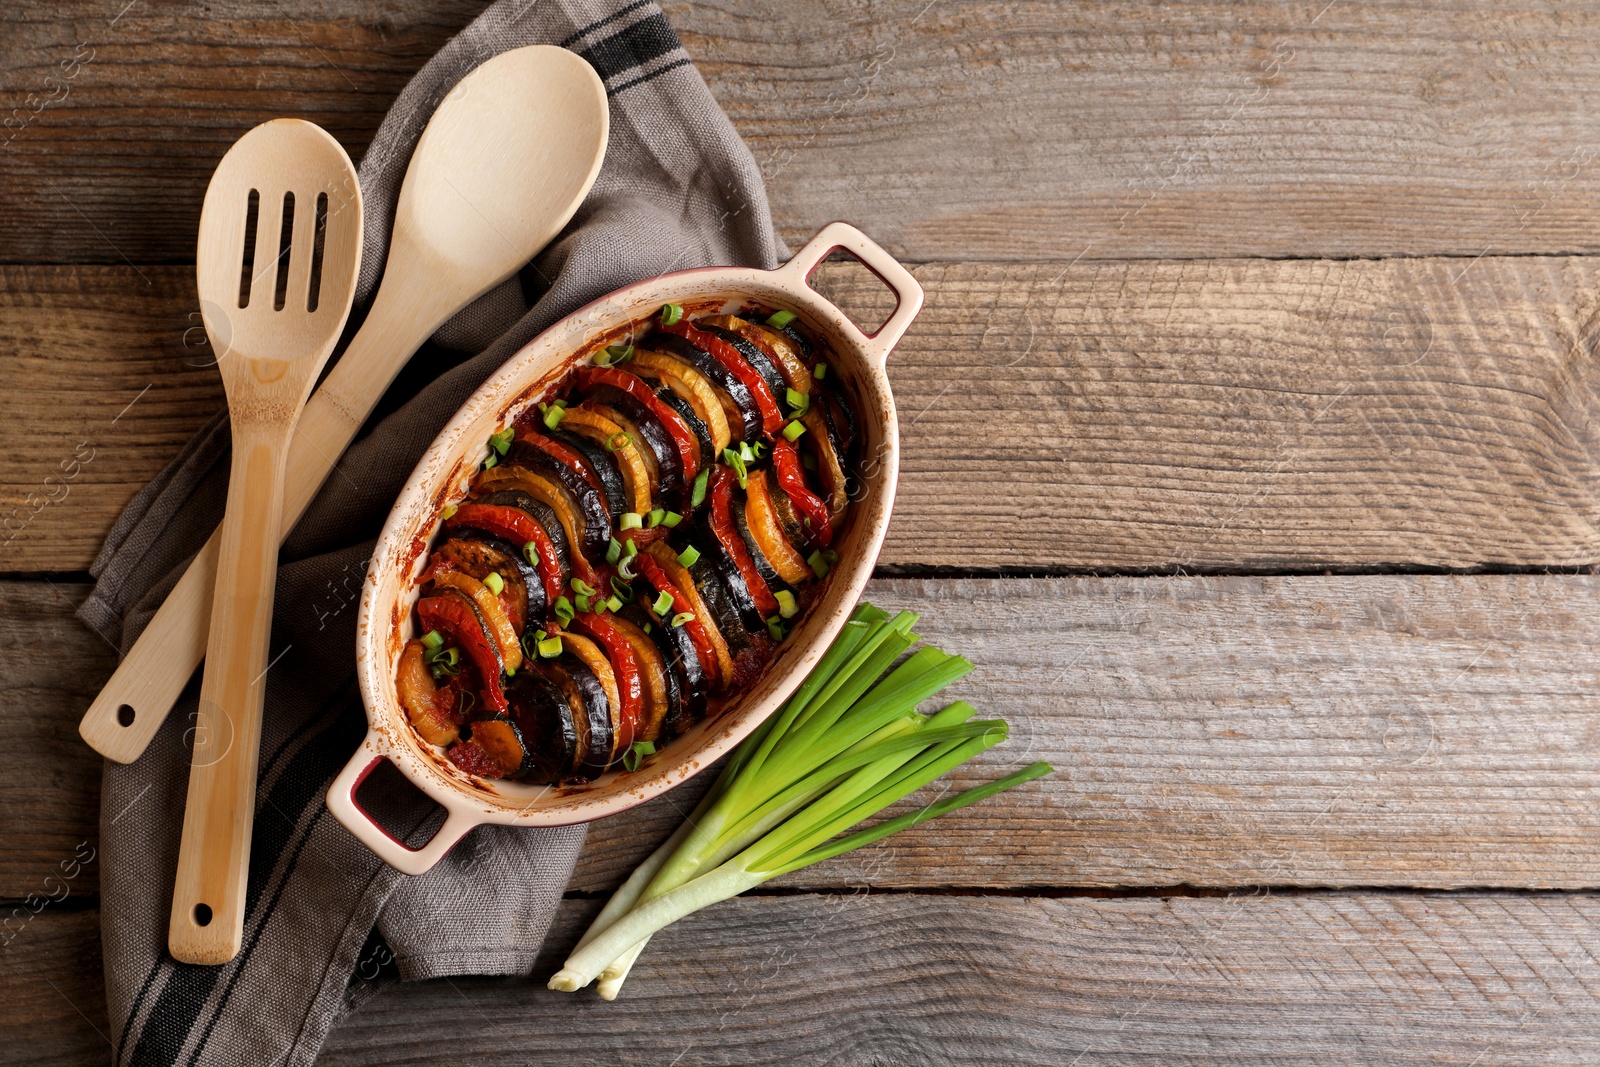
pixel 385 621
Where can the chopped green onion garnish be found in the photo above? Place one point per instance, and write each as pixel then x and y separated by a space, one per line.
pixel 553 416
pixel 699 494
pixel 648 626
pixel 636 752
pixel 819 566
pixel 786 603
pixel 820 371
pixel 779 319
pixel 581 586
pixel 614 551
pixel 632 520
pixel 619 353
pixel 621 588
pixel 797 400
pixel 745 453
pixel 564 610
pixel 671 519
pixel 775 628
pixel 432 641
pixel 599 605
pixel 549 647
pixel 830 555
pixel 682 617
pixel 793 431
pixel 491 461
pixel 670 314
pixel 448 512
pixel 501 442
pixel 758 448
pixel 618 440
pixel 614 602
pixel 582 600
pixel 735 461
pixel 495 583
pixel 624 568
pixel 663 603
pixel 629 550
pixel 689 556
pixel 654 518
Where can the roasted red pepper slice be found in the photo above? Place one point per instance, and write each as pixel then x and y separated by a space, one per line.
pixel 624 666
pixel 720 496
pixel 728 356
pixel 518 527
pixel 651 571
pixel 791 477
pixel 634 386
pixel 451 614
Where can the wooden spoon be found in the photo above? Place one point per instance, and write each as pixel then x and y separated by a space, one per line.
pixel 280 244
pixel 503 165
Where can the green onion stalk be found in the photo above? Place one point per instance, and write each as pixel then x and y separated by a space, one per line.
pixel 849 743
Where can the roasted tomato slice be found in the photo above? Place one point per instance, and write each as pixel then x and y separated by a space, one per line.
pixel 549 504
pixel 634 387
pixel 624 667
pixel 776 346
pixel 791 479
pixel 738 366
pixel 755 355
pixel 662 430
pixel 490 609
pixel 481 554
pixel 743 412
pixel 718 517
pixel 517 526
pixel 456 618
pixel 657 582
pixel 655 685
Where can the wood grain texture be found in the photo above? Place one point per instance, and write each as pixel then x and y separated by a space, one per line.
pixel 52 997
pixel 1348 978
pixel 1345 731
pixel 980 130
pixel 1224 415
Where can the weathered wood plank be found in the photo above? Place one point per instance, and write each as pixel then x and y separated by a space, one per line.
pixel 1346 731
pixel 1345 977
pixel 1224 415
pixel 978 131
pixel 1348 978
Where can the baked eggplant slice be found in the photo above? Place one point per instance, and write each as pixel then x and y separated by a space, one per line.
pixel 691 419
pixel 678 574
pixel 730 357
pixel 658 426
pixel 744 413
pixel 603 464
pixel 687 685
pixel 626 675
pixel 759 361
pixel 777 347
pixel 591 713
pixel 754 596
pixel 677 614
pixel 692 386
pixel 481 554
pixel 618 443
pixel 544 716
pixel 503 517
pixel 764 567
pixel 546 502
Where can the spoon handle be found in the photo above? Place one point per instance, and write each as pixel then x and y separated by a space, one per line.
pixel 208 900
pixel 135 701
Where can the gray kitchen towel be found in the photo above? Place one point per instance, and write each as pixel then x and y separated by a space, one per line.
pixel 326 918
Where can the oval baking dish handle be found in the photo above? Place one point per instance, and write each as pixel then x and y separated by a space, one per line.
pixel 843 237
pixel 397 854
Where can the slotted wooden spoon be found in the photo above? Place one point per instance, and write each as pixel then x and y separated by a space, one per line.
pixel 500 169
pixel 280 243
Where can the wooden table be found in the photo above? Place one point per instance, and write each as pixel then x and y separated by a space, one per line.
pixel 1250 451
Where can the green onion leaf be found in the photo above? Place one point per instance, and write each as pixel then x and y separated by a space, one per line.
pixel 549 647
pixel 779 319
pixel 632 520
pixel 745 452
pixel 564 611
pixel 670 314
pixel 663 604
pixel 654 518
pixel 619 354
pixel 553 416
pixel 530 552
pixel 432 641
pixel 682 617
pixel 581 586
pixel 820 371
pixel 819 566
pixel 621 588
pixel 501 442
pixel 491 461
pixel 672 518
pixel 495 583
pixel 787 606
pixel 689 556
pixel 614 603
pixel 798 402
pixel 448 512
pixel 700 482
pixel 629 549
pixel 736 461
pixel 648 626
pixel 808 461
pixel 793 431
pixel 614 551
pixel 618 441
pixel 775 629
pixel 582 600
pixel 636 752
